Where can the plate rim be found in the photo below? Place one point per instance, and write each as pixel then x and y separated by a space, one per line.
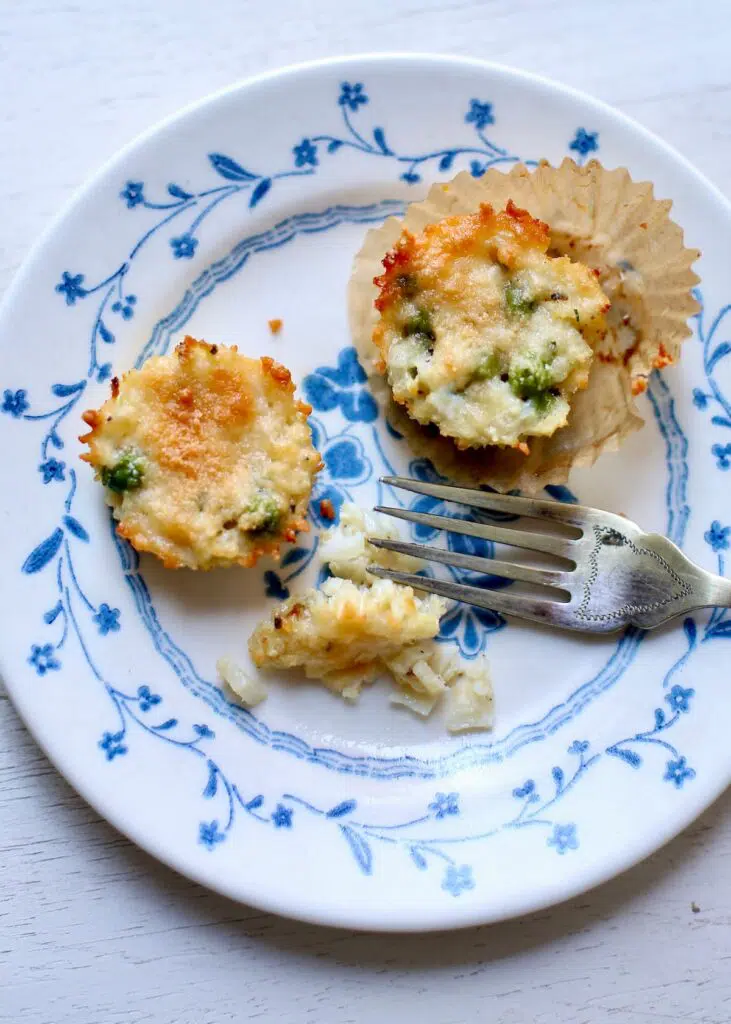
pixel 445 917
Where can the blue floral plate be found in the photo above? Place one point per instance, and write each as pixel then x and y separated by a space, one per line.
pixel 249 207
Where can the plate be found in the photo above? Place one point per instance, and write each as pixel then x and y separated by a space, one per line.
pixel 249 207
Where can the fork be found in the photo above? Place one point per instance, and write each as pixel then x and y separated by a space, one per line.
pixel 614 573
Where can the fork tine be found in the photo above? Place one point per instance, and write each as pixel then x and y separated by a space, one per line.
pixel 535 508
pixel 553 613
pixel 558 546
pixel 493 566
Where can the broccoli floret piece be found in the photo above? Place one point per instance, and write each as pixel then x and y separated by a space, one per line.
pixel 517 300
pixel 125 475
pixel 534 382
pixel 265 512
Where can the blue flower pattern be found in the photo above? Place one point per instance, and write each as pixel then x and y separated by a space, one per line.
pixel 210 835
pixel 71 287
pixel 43 659
pixel 584 142
pixel 678 772
pixel 305 154
pixel 15 403
pixel 564 838
pixel 112 745
pixel 444 804
pixel 717 536
pixel 125 306
pixel 107 619
pixel 352 96
pixel 147 699
pixel 458 879
pixel 133 194
pixel 480 115
pixel 679 699
pixel 184 247
pixel 722 453
pixel 51 470
pixel 282 816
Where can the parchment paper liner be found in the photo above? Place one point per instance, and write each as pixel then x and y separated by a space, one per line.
pixel 598 217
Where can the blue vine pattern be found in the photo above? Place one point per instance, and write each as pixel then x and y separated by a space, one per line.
pixel 711 397
pixel 429 840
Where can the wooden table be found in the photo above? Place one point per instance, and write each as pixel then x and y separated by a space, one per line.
pixel 93 931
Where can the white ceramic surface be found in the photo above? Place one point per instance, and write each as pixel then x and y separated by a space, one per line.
pixel 353 816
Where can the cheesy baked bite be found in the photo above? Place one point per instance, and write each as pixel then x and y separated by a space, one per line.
pixel 341 633
pixel 481 333
pixel 205 455
pixel 598 218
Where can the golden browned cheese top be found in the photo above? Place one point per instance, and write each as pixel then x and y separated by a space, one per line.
pixel 224 452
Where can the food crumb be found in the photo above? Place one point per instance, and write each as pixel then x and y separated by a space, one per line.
pixel 327 509
pixel 276 325
pixel 695 908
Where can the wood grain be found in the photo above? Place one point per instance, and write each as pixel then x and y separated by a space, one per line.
pixel 93 930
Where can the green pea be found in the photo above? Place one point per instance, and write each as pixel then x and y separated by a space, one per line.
pixel 125 475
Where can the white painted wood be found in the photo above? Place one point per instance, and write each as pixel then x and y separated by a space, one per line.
pixel 91 929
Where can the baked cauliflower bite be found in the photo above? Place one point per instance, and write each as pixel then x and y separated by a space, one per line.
pixel 481 332
pixel 205 455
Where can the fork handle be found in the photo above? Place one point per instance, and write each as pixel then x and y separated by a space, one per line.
pixel 719 591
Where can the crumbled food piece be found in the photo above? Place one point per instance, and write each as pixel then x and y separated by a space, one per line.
pixel 482 334
pixel 346 550
pixel 327 509
pixel 248 690
pixel 342 632
pixel 427 673
pixel 276 325
pixel 416 670
pixel 205 455
pixel 356 626
pixel 469 700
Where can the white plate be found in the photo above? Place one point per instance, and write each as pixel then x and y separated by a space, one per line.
pixel 247 207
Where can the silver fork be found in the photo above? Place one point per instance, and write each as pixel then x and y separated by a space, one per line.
pixel 617 575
